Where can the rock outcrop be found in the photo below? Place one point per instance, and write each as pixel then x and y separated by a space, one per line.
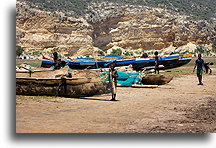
pixel 108 25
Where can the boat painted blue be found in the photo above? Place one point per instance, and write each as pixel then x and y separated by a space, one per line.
pixel 168 62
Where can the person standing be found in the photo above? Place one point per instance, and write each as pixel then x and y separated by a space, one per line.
pixel 156 62
pixel 113 74
pixel 199 64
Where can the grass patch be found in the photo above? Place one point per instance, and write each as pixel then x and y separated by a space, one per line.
pixel 34 63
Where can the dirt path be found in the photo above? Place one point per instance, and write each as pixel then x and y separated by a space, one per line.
pixel 179 107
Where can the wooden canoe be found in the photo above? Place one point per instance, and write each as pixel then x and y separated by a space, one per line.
pixel 73 87
pixel 50 73
pixel 154 79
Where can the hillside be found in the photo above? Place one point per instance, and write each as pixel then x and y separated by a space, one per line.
pixel 92 27
pixel 199 9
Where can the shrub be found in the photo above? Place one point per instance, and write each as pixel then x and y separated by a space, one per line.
pixel 19 50
pixel 116 52
pixel 199 49
pixel 214 46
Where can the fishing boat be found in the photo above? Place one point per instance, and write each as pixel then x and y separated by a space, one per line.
pixel 83 63
pixel 28 71
pixel 46 62
pixel 81 83
pixel 72 87
pixel 166 62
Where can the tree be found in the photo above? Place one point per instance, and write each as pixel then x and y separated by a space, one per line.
pixel 19 50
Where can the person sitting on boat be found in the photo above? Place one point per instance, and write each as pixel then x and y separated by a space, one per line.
pixel 57 64
pixel 55 57
pixel 207 68
pixel 156 62
pixel 114 74
pixel 145 55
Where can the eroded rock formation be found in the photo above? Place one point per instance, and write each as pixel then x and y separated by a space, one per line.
pixel 107 25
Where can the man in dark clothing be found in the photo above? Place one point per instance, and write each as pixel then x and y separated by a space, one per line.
pixel 55 57
pixel 113 76
pixel 156 63
pixel 58 64
pixel 145 55
pixel 199 64
pixel 206 65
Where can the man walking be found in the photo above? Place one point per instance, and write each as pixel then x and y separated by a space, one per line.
pixel 199 64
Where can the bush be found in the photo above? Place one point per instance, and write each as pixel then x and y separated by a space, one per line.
pixel 116 52
pixel 199 49
pixel 214 46
pixel 128 53
pixel 19 50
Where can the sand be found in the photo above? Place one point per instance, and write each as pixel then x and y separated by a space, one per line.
pixel 181 106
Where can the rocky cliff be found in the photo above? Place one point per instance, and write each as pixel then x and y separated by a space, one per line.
pixel 106 25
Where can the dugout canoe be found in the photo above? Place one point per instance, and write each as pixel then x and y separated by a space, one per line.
pixel 41 73
pixel 155 79
pixel 50 73
pixel 73 87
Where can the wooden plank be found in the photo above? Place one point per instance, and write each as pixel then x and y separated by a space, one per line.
pixel 144 86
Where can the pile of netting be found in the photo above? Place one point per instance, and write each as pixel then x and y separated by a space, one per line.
pixel 128 79
pixel 124 79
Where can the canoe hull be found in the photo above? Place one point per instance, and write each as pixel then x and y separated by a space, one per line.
pixel 156 79
pixel 73 87
pixel 138 64
pixel 166 64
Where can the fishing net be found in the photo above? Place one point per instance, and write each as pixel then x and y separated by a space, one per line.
pixel 128 79
pixel 104 76
pixel 123 79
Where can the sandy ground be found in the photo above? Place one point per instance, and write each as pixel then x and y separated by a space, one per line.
pixel 178 107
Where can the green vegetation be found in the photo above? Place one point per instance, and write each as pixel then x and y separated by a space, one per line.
pixel 203 50
pixel 32 62
pixel 19 50
pixel 214 47
pixel 127 53
pixel 35 52
pixel 116 52
pixel 200 49
pixel 198 8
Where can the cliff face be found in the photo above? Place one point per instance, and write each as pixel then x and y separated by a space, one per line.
pixel 44 32
pixel 109 24
pixel 147 28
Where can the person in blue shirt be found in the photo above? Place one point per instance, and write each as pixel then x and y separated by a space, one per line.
pixel 199 64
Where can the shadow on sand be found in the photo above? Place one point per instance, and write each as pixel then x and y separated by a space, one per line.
pixel 95 99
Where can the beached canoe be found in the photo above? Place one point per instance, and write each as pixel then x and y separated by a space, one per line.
pixel 166 62
pixel 50 73
pixel 41 73
pixel 153 79
pixel 72 87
